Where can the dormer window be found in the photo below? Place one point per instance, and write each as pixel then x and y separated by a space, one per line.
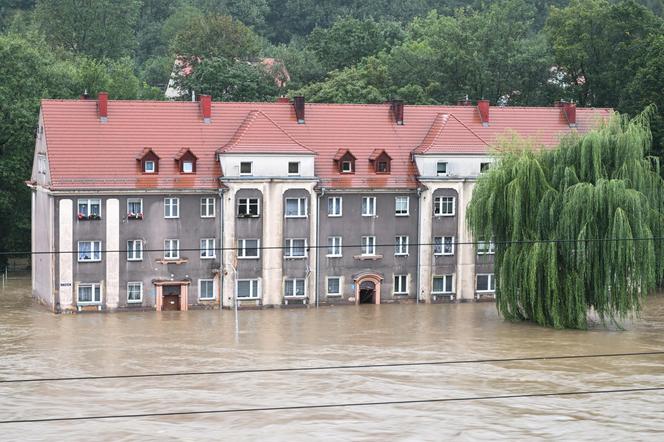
pixel 345 161
pixel 186 161
pixel 381 161
pixel 149 161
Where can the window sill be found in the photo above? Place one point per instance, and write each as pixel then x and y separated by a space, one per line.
pixel 368 257
pixel 444 215
pixel 295 296
pixel 402 214
pixel 140 301
pixel 403 255
pixel 295 257
pixel 334 256
pixel 207 216
pixel 245 216
pixel 172 260
pixel 369 216
pixel 171 217
pixel 295 216
pixel 134 259
pixel 400 294
pixel 248 257
pixel 88 260
pixel 206 299
pixel 334 216
pixel 334 295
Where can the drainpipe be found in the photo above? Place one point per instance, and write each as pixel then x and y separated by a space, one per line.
pixel 320 197
pixel 221 248
pixel 419 242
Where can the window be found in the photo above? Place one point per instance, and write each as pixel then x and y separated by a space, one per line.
pixel 443 284
pixel 368 245
pixel 172 249
pixel 187 167
pixel 246 168
pixel 171 207
pixel 444 206
pixel 369 206
pixel 247 248
pixel 293 168
pixel 89 294
pixel 247 288
pixel 247 207
pixel 207 248
pixel 89 209
pixel 41 163
pixel 383 167
pixel 401 205
pixel 443 245
pixel 334 246
pixel 89 251
pixel 441 168
pixel 345 161
pixel 207 207
pixel 486 248
pixel 135 250
pixel 347 166
pixel 206 289
pixel 486 282
pixel 135 208
pixel 334 206
pixel 296 207
pixel 333 285
pixel 294 287
pixel 400 284
pixel 401 246
pixel 484 167
pixel 134 292
pixel 149 166
pixel 295 248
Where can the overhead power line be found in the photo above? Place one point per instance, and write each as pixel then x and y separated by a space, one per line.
pixel 332 367
pixel 332 405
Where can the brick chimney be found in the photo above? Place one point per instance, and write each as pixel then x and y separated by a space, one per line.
pixel 299 109
pixel 569 111
pixel 483 107
pixel 102 106
pixel 396 106
pixel 206 108
pixel 283 99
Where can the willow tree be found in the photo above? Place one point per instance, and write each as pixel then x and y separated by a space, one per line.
pixel 578 228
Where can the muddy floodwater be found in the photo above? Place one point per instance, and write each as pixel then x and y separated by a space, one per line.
pixel 35 343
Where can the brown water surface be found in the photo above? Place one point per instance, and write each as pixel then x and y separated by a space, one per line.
pixel 36 343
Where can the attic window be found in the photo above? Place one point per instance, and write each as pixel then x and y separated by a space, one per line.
pixel 186 161
pixel 149 166
pixel 381 161
pixel 346 166
pixel 187 167
pixel 149 161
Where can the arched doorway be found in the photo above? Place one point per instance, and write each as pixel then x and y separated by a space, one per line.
pixel 367 288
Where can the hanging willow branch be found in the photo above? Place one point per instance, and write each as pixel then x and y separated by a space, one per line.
pixel 600 185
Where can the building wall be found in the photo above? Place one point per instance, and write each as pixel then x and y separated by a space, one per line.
pixel 43 242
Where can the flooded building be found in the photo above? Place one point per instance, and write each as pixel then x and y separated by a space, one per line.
pixel 182 205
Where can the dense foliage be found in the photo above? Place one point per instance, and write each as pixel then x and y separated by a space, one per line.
pixel 577 229
pixel 513 52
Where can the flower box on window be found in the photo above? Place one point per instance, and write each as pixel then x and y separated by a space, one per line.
pixel 132 215
pixel 83 217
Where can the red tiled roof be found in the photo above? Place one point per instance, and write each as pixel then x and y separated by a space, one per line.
pixel 85 153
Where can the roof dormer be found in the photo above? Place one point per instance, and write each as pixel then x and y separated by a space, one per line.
pixel 345 161
pixel 149 161
pixel 382 162
pixel 186 161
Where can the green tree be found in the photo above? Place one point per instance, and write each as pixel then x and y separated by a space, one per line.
pixel 99 29
pixel 577 229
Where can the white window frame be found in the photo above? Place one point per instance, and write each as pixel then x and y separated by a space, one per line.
pixel 368 246
pixel 208 248
pixel 368 206
pixel 302 209
pixel 251 168
pixel 242 248
pixel 89 202
pixel 252 295
pixel 438 173
pixel 95 250
pixel 200 290
pixel 401 245
pixel 397 199
pixel 438 206
pixel 403 280
pixel 348 169
pixel 41 163
pixel 140 292
pixel 208 210
pixel 486 248
pixel 135 253
pixel 491 283
pixel 170 252
pixel 445 279
pixel 297 173
pixel 336 204
pixel 130 213
pixel 147 169
pixel 248 202
pixel 93 286
pixel 327 285
pixel 171 207
pixel 335 249
pixel 190 168
pixel 289 248
pixel 294 282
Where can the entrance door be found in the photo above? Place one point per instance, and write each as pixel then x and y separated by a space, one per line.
pixel 171 297
pixel 367 292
